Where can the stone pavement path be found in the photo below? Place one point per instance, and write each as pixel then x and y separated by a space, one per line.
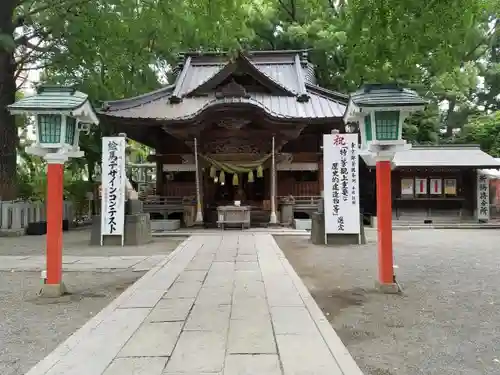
pixel 81 263
pixel 218 305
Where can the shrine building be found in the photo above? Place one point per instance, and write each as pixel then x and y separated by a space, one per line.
pixel 253 124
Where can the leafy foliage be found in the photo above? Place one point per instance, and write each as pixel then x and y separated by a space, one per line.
pixel 112 49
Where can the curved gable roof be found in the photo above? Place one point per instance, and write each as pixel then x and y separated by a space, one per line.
pixel 240 64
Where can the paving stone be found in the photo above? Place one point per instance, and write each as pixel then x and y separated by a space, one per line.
pixel 305 355
pixel 198 352
pixel 153 340
pixel 94 353
pixel 246 257
pixel 171 310
pixel 249 289
pixel 215 295
pixel 248 275
pixel 247 266
pixel 260 364
pixel 137 366
pixel 191 276
pixel 247 309
pixel 209 318
pixel 292 320
pixel 200 265
pixel 255 338
pixel 282 295
pixel 143 298
pixel 184 290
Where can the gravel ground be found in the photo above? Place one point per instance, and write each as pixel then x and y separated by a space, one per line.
pixel 76 242
pixel 446 322
pixel 30 327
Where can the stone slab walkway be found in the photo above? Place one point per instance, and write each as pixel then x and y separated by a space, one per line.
pixel 218 305
pixel 81 263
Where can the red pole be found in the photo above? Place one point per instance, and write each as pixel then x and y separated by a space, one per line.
pixel 384 223
pixel 55 174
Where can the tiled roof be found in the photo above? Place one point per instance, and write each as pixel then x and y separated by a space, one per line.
pixel 318 106
pixel 379 95
pixel 295 94
pixel 441 156
pixel 51 98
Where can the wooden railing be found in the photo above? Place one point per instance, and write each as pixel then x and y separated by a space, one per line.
pixel 302 200
pixel 158 203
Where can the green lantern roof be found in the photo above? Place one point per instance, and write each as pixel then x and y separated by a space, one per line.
pixel 55 98
pixel 386 95
pixel 64 100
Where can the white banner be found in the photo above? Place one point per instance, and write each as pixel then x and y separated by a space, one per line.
pixel 341 183
pixel 483 196
pixel 113 185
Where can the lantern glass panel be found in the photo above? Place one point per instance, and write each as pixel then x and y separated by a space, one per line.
pixel 368 128
pixel 387 126
pixel 49 128
pixel 70 130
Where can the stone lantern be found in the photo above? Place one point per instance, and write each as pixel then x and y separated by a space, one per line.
pixel 60 114
pixel 380 110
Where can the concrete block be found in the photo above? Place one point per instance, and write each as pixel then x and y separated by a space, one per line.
pixel 245 364
pixel 198 352
pixel 289 320
pixel 255 338
pixel 165 225
pixel 52 290
pixel 137 232
pixel 391 288
pixel 153 340
pixel 137 366
pixel 247 266
pixel 171 310
pixel 302 224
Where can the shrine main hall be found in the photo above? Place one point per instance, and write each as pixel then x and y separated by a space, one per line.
pixel 252 126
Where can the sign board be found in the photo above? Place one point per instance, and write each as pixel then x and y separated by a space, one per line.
pixel 450 186
pixel 420 185
pixel 341 183
pixel 483 197
pixel 436 186
pixel 113 184
pixel 407 186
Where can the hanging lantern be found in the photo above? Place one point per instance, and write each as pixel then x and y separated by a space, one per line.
pixel 222 177
pixel 235 179
pixel 250 176
pixel 260 171
pixel 213 172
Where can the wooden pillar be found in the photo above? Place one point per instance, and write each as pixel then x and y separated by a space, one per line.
pixel 160 181
pixel 199 208
pixel 320 174
pixel 273 218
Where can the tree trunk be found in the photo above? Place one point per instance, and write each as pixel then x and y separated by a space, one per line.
pixel 8 129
